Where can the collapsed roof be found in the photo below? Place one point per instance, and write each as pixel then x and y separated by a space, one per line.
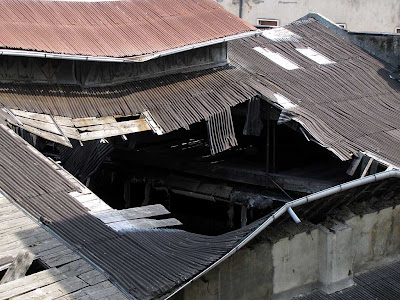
pixel 129 28
pixel 344 97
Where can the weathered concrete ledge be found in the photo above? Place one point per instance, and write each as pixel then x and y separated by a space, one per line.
pixel 296 258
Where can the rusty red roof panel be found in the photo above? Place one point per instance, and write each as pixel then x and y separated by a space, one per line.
pixel 113 28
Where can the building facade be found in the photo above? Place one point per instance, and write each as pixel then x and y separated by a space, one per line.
pixel 354 15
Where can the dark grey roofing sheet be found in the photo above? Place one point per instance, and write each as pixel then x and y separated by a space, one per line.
pixel 379 284
pixel 146 263
pixel 175 101
pixel 349 105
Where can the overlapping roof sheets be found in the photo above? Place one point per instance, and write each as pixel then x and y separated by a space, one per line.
pixel 113 28
pixel 347 101
pixel 147 263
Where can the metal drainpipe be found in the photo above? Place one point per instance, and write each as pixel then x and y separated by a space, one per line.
pixel 240 8
pixel 316 196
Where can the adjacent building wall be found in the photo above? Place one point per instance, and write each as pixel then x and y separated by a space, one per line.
pixel 293 259
pixel 358 15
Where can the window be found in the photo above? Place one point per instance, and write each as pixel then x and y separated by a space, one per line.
pixel 397 30
pixel 342 25
pixel 267 23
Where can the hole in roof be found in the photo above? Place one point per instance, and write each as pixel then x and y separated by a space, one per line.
pixel 277 58
pixel 36 267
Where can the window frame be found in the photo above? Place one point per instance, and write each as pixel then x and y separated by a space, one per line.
pixel 268 20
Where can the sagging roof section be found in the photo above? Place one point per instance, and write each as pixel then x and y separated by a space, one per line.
pixel 128 28
pixel 147 263
pixel 343 97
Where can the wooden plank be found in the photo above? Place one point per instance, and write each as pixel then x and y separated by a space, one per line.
pixel 36 248
pixel 367 167
pixel 138 126
pixel 29 283
pixel 75 268
pixel 44 134
pixel 96 205
pixel 55 290
pixel 92 277
pixel 18 267
pixel 354 164
pixel 64 121
pixel 83 122
pixel 82 198
pixel 15 241
pixel 132 213
pixel 30 115
pixel 143 224
pixel 116 125
pixel 51 127
pixel 90 290
pixel 62 258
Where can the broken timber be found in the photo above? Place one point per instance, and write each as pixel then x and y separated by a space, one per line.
pixel 60 129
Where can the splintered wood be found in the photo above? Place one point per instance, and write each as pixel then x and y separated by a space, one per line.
pixel 59 129
pixel 68 277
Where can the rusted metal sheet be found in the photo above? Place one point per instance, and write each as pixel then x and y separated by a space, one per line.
pixel 113 28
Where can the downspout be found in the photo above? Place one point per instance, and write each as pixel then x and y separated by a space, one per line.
pixel 240 8
pixel 288 208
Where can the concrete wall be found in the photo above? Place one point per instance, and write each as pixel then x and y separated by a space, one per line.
pixel 292 259
pixel 386 47
pixel 359 15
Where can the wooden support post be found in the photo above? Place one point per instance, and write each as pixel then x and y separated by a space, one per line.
pixel 18 267
pixel 127 193
pixel 243 216
pixel 147 190
pixel 365 171
pixel 268 138
pixel 354 164
pixel 231 215
pixel 374 167
pixel 273 147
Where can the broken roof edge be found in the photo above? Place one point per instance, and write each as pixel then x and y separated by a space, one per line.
pixel 288 208
pixel 41 224
pixel 127 59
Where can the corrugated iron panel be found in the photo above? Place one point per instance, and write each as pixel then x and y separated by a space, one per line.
pixel 349 105
pixel 113 28
pixel 146 263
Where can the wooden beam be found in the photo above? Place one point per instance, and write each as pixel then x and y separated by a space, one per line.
pixel 354 164
pixel 82 122
pixel 115 129
pixel 18 267
pixel 132 213
pixel 44 134
pixel 29 283
pixel 143 224
pixel 367 167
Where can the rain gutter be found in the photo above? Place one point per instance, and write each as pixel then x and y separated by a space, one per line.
pixel 288 207
pixel 139 58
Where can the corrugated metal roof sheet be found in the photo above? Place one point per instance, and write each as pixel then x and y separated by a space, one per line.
pixel 146 263
pixel 348 105
pixel 175 101
pixel 113 28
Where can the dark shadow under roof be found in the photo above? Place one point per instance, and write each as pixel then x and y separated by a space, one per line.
pixel 349 103
pixel 146 263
